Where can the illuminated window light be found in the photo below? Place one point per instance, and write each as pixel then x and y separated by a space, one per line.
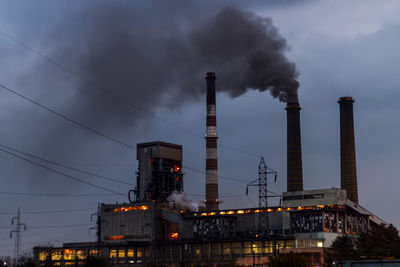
pixel 115 237
pixel 222 213
pixel 231 212
pixel 240 212
pixel 136 208
pixel 173 236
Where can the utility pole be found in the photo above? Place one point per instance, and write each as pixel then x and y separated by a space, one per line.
pixel 18 225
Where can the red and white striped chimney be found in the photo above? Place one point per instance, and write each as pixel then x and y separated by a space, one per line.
pixel 212 201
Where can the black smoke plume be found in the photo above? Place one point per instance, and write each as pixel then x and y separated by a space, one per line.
pixel 151 55
pixel 160 59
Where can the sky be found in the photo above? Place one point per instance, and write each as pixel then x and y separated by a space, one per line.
pixel 51 52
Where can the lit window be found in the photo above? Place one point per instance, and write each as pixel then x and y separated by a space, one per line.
pixel 80 254
pixel 93 252
pixel 173 236
pixel 121 253
pixel 139 253
pixel 300 243
pixel 113 253
pixel 290 244
pixel 56 255
pixel 131 253
pixel 320 244
pixel 226 251
pixel 69 254
pixel 43 256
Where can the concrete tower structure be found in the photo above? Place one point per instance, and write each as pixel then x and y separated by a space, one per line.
pixel 348 170
pixel 212 201
pixel 294 155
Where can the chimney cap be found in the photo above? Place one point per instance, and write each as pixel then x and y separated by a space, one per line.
pixel 293 106
pixel 345 99
pixel 210 75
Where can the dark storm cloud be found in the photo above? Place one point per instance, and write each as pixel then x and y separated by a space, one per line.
pixel 159 57
pixel 151 55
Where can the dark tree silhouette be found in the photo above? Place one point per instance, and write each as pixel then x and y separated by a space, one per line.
pixel 288 260
pixel 343 248
pixel 380 241
pixel 92 261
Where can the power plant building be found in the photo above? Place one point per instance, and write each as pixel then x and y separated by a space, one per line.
pixel 152 229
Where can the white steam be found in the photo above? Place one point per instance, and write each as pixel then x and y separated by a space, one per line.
pixel 178 201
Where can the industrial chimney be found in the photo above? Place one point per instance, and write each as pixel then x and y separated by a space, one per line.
pixel 294 161
pixel 348 171
pixel 212 201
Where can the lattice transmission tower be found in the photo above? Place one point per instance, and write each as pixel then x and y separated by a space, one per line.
pixel 18 229
pixel 263 193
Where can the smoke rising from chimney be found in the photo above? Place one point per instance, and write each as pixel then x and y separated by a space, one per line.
pixel 152 55
pixel 248 52
pixel 156 59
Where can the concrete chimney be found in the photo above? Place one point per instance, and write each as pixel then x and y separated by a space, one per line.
pixel 348 170
pixel 212 201
pixel 294 160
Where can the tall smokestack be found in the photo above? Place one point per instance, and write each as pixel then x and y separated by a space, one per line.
pixel 348 169
pixel 212 201
pixel 294 161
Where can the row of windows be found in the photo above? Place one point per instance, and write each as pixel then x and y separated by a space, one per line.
pixel 125 252
pixel 218 250
pixel 309 244
pixel 66 254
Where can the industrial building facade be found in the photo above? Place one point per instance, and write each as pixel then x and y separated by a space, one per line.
pixel 150 232
pixel 154 228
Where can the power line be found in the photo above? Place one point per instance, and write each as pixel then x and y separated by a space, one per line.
pixel 52 226
pixel 219 176
pixel 66 166
pixel 113 95
pixel 67 118
pixel 98 132
pixel 43 236
pixel 61 173
pixel 227 196
pixel 60 226
pixel 50 211
pixel 59 232
pixel 53 195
